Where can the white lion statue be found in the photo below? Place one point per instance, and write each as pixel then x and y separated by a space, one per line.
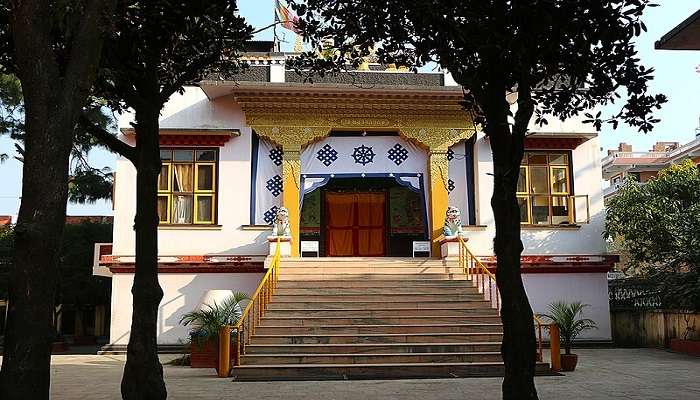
pixel 453 222
pixel 280 227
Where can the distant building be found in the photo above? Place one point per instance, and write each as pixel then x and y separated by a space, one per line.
pixel 5 220
pixel 624 163
pixel 96 219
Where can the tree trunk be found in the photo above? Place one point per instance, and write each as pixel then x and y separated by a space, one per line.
pixel 39 230
pixel 143 373
pixel 54 93
pixel 519 344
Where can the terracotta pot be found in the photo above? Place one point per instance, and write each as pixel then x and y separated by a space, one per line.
pixel 691 347
pixel 59 347
pixel 204 356
pixel 568 362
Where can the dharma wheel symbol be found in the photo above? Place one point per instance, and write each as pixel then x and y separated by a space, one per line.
pixel 363 155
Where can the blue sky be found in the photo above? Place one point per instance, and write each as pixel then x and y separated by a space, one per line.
pixel 675 76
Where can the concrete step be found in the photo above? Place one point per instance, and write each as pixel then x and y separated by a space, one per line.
pixel 372 371
pixel 378 283
pixel 378 311
pixel 374 297
pixel 385 358
pixel 377 338
pixel 291 261
pixel 364 269
pixel 288 276
pixel 394 303
pixel 367 291
pixel 373 348
pixel 394 320
pixel 358 329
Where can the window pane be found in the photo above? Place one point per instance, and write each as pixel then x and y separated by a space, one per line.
pixel 560 180
pixel 559 159
pixel 205 155
pixel 182 209
pixel 205 209
pixel 166 155
pixel 537 159
pixel 540 210
pixel 522 203
pixel 163 208
pixel 183 178
pixel 205 177
pixel 539 180
pixel 522 180
pixel 182 155
pixel 163 177
pixel 560 210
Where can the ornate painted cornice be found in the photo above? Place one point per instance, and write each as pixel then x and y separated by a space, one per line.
pixel 296 116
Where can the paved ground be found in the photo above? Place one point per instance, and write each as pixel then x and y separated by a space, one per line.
pixel 602 374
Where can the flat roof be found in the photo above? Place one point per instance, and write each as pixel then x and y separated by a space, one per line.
pixel 685 36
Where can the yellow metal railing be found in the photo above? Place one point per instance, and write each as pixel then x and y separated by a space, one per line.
pixel 485 281
pixel 253 313
pixel 481 277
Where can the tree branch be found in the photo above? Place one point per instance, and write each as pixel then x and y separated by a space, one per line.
pixel 267 27
pixel 109 140
pixel 526 107
pixel 86 47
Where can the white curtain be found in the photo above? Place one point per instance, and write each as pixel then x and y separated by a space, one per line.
pixel 182 209
pixel 183 204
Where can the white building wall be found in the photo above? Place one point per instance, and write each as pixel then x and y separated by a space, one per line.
pixel 182 293
pixel 193 109
pixel 587 178
pixel 588 288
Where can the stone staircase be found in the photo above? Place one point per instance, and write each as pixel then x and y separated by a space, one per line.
pixel 374 318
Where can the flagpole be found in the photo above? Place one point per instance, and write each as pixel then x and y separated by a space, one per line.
pixel 275 44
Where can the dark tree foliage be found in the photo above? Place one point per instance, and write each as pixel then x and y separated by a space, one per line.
pixel 658 227
pixel 75 283
pixel 558 58
pixel 159 46
pixel 87 184
pixel 7 249
pixel 53 49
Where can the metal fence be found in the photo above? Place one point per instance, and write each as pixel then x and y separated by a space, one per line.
pixel 633 294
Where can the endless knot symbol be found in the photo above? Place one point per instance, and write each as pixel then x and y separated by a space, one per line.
pixel 276 155
pixel 274 185
pixel 327 155
pixel 397 154
pixel 270 214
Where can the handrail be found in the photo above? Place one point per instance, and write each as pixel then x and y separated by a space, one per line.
pixel 539 324
pixel 478 273
pixel 253 312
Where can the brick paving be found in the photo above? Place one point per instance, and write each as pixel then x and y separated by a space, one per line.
pixel 602 374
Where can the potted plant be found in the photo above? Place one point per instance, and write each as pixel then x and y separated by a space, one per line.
pixel 205 325
pixel 566 317
pixel 686 344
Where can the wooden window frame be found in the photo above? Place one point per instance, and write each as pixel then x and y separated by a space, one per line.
pixel 196 193
pixel 550 195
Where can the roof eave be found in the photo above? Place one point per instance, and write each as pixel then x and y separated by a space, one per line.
pixel 685 36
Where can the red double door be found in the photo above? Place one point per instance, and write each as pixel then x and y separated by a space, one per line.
pixel 355 224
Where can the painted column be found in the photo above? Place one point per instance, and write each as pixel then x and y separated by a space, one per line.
pixel 291 177
pixel 437 167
